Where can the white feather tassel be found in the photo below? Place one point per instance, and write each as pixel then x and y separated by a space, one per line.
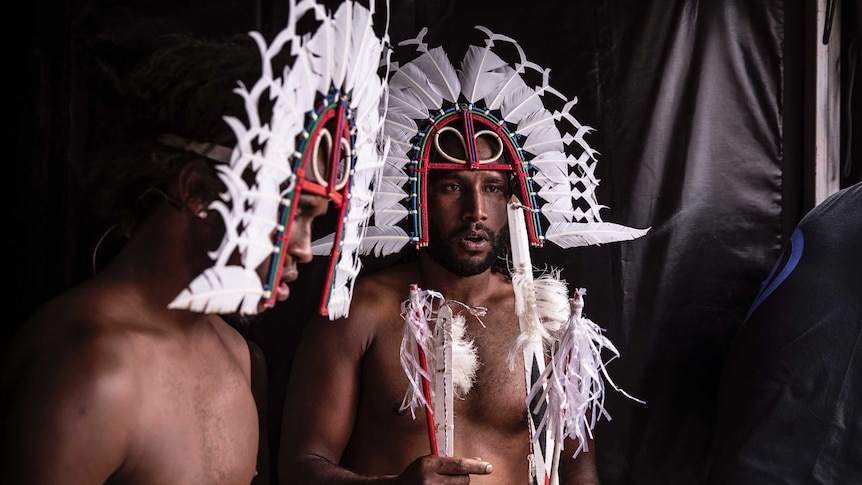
pixel 417 339
pixel 577 395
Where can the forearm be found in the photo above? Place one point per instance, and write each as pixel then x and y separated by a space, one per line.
pixel 317 469
pixel 580 478
pixel 580 470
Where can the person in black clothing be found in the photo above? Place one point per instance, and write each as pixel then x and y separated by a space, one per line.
pixel 790 406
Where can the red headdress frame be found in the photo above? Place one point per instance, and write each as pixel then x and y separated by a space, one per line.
pixel 474 122
pixel 330 127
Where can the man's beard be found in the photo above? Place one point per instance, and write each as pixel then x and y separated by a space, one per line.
pixel 441 249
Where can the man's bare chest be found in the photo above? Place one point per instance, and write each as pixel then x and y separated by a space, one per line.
pixel 497 396
pixel 198 426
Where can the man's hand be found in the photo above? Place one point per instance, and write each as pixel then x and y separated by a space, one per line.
pixel 431 469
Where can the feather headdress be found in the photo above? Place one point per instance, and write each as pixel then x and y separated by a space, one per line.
pixel 321 135
pixel 490 97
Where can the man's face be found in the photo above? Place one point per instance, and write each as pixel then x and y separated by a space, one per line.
pixel 467 216
pixel 298 250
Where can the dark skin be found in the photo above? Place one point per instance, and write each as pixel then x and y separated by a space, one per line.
pixel 342 423
pixel 105 384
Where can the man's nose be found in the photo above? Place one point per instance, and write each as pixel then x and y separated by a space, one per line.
pixel 475 205
pixel 299 246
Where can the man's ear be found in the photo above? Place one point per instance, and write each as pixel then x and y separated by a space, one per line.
pixel 193 181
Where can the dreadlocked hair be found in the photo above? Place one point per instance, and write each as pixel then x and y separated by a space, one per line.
pixel 185 88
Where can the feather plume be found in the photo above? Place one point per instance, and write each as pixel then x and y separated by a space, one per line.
pixel 543 300
pixel 411 77
pixel 384 240
pixel 465 359
pixel 574 234
pixel 230 289
pixel 442 77
pixel 481 72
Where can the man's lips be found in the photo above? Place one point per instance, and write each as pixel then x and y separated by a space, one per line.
pixel 289 275
pixel 474 240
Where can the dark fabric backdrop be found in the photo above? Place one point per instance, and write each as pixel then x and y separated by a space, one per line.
pixel 697 108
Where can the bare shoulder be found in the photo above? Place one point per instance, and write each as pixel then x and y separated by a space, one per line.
pixel 69 390
pixel 376 302
pixel 67 349
pixel 378 294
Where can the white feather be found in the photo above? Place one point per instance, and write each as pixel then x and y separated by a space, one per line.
pixel 545 138
pixel 323 245
pixel 407 103
pixel 342 42
pixel 465 358
pixel 551 164
pixel 539 120
pixel 228 289
pixel 519 101
pixel 441 75
pixel 411 77
pixel 552 301
pixel 384 240
pixel 481 73
pixel 574 234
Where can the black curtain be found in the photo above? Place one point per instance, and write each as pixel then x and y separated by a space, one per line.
pixel 697 110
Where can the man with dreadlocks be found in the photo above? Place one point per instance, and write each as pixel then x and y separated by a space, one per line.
pixel 453 331
pixel 134 376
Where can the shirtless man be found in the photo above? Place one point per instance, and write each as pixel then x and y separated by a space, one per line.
pixel 342 422
pixel 122 379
